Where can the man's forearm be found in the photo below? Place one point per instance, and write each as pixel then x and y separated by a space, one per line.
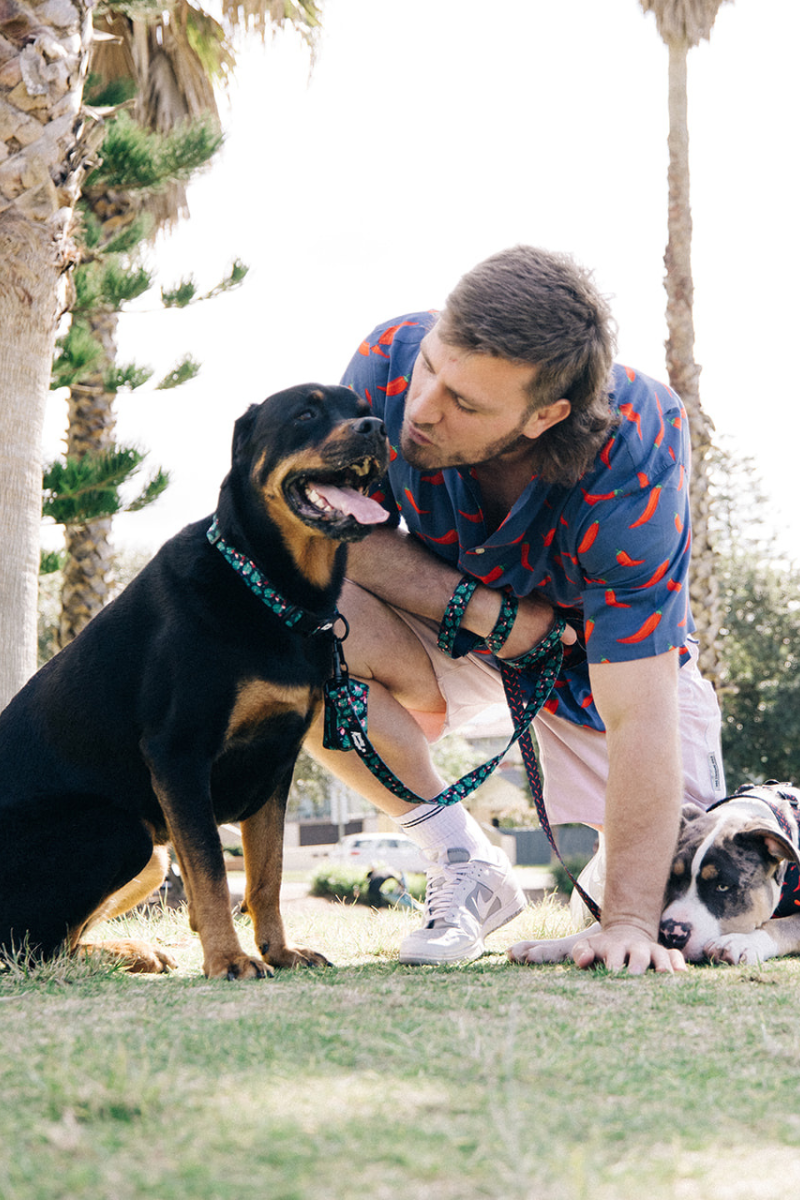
pixel 397 569
pixel 643 802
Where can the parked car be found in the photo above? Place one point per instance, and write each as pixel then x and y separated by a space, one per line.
pixel 392 849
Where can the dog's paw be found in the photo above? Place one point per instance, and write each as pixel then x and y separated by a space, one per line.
pixel 735 948
pixel 236 966
pixel 554 951
pixel 297 956
pixel 140 958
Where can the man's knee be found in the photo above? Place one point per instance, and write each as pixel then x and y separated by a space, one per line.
pixel 382 648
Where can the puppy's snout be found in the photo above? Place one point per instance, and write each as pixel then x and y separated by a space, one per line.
pixel 674 934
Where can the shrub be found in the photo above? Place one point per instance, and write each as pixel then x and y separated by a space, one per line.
pixel 350 885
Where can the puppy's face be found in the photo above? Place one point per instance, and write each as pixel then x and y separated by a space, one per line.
pixel 312 454
pixel 726 875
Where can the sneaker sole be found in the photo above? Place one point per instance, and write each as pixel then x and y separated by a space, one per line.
pixel 421 959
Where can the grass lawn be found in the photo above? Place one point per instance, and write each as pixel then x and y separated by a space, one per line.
pixel 371 1080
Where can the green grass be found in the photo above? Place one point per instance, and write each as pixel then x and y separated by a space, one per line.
pixel 371 1080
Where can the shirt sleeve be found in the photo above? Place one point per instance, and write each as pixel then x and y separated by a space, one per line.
pixel 634 556
pixel 367 374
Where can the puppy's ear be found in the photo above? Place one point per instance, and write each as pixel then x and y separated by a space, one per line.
pixel 242 432
pixel 776 845
pixel 690 812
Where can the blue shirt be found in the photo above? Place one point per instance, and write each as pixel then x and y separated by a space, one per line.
pixel 610 552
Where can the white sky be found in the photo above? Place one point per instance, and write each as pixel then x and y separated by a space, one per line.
pixel 431 135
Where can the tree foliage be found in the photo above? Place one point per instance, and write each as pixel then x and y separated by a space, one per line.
pixel 761 652
pixel 759 641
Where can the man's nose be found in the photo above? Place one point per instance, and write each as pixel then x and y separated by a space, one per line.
pixel 425 403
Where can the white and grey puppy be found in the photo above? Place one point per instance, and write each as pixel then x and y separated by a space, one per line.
pixel 725 884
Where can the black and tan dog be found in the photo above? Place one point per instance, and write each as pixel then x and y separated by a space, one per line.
pixel 733 894
pixel 184 703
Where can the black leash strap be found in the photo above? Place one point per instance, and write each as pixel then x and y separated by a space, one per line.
pixel 516 703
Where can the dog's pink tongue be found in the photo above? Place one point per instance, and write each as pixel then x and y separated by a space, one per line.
pixel 355 504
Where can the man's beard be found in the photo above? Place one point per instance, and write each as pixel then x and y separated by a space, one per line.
pixel 436 458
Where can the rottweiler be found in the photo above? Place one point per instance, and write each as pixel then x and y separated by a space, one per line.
pixel 184 703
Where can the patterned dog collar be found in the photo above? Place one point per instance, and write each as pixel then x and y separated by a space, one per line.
pixel 298 619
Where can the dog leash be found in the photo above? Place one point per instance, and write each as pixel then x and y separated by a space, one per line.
pixel 345 700
pixel 515 699
pixel 345 722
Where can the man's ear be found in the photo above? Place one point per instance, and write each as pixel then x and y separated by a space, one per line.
pixel 542 419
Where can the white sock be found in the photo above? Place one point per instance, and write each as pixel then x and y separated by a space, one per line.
pixel 437 828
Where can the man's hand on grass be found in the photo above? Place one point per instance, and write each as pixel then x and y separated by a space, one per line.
pixel 626 946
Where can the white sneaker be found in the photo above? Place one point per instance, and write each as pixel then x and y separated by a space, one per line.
pixel 466 899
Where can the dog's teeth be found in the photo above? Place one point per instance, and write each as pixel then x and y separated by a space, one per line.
pixel 313 496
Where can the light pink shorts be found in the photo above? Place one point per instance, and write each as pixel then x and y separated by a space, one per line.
pixel 574 759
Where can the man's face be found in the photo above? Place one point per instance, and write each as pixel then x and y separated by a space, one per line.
pixel 464 409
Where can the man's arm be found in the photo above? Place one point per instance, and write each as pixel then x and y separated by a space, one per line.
pixel 638 702
pixel 397 569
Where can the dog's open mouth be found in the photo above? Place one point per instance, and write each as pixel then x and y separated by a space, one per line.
pixel 338 499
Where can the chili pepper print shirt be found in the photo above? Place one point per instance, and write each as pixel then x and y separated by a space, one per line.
pixel 611 553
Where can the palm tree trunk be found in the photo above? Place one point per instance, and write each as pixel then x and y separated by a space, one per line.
pixel 684 372
pixel 45 50
pixel 91 429
pixel 29 278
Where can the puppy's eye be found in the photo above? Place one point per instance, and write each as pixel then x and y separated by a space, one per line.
pixel 722 887
pixel 307 414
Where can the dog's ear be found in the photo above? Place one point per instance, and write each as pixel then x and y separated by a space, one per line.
pixel 774 842
pixel 690 812
pixel 242 432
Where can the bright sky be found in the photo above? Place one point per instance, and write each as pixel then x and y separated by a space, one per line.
pixel 431 135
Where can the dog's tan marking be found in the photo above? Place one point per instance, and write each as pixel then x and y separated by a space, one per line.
pixel 709 871
pixel 136 956
pixel 312 551
pixel 678 867
pixel 257 700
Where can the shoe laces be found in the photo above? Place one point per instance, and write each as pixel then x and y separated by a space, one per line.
pixel 443 879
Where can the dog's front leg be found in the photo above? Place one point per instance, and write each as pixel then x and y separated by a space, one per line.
pixel 193 832
pixel 262 841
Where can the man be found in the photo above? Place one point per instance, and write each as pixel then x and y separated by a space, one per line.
pixel 522 460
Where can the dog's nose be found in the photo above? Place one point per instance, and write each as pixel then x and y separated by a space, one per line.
pixel 371 425
pixel 674 934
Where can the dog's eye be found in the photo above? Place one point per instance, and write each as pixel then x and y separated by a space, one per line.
pixel 722 887
pixel 307 414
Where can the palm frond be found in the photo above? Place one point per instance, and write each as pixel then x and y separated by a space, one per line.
pixel 684 21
